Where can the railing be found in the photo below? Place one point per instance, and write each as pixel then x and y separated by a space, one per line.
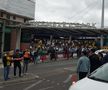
pixel 61 25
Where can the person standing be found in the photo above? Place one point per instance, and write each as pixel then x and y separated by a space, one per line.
pixel 35 56
pixel 42 54
pixel 100 55
pixel 66 52
pixel 83 66
pixel 17 58
pixel 105 58
pixel 94 60
pixel 52 53
pixel 26 61
pixel 6 63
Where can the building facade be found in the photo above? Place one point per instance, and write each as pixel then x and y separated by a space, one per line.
pixel 14 13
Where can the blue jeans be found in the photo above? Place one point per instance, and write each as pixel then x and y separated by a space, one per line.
pixel 6 72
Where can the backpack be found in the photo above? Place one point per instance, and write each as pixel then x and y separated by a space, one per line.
pixel 26 55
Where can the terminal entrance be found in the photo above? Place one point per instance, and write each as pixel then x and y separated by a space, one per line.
pixel 54 31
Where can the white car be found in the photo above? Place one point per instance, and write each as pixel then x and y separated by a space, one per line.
pixel 98 80
pixel 103 51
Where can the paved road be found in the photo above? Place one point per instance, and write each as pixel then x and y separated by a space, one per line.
pixel 48 76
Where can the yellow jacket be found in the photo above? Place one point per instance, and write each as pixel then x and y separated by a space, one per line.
pixel 8 60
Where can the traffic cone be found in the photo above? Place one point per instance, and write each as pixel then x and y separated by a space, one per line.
pixel 74 78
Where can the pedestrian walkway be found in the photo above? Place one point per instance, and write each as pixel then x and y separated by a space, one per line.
pixel 24 78
pixel 28 76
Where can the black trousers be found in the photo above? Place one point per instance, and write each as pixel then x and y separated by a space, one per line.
pixel 53 56
pixel 82 75
pixel 17 64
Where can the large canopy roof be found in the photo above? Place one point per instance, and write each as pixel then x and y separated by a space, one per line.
pixel 66 32
pixel 58 29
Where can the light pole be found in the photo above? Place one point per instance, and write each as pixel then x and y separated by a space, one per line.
pixel 102 21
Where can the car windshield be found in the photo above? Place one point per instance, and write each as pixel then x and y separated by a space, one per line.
pixel 101 74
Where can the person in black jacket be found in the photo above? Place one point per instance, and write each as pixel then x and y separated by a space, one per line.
pixel 17 61
pixel 105 59
pixel 94 61
pixel 52 53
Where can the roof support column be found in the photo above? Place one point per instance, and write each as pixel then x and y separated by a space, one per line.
pixel 3 38
pixel 51 37
pixel 70 38
pixel 18 38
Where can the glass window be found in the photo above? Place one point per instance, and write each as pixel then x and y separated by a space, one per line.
pixel 1 14
pixel 25 37
pixel 101 74
pixel 8 16
pixel 14 17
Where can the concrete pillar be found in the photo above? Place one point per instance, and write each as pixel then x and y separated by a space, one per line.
pixel 51 37
pixel 13 39
pixel 3 38
pixel 70 38
pixel 18 34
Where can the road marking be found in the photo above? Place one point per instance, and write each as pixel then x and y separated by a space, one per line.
pixel 32 85
pixel 46 88
pixel 69 68
pixel 36 76
pixel 68 79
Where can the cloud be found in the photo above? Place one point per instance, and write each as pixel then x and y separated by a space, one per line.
pixel 70 11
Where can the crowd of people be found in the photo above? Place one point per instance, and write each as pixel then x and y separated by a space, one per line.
pixel 36 54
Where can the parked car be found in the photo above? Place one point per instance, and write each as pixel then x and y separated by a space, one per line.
pixel 98 80
pixel 103 51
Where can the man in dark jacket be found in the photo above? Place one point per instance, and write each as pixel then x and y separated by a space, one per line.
pixel 105 59
pixel 52 53
pixel 17 61
pixel 94 61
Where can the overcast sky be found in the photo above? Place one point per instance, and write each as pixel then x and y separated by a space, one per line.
pixel 78 11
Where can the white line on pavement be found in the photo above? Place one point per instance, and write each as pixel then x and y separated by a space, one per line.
pixel 32 85
pixel 69 68
pixel 46 88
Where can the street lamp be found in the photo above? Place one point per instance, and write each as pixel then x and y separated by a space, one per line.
pixel 102 21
